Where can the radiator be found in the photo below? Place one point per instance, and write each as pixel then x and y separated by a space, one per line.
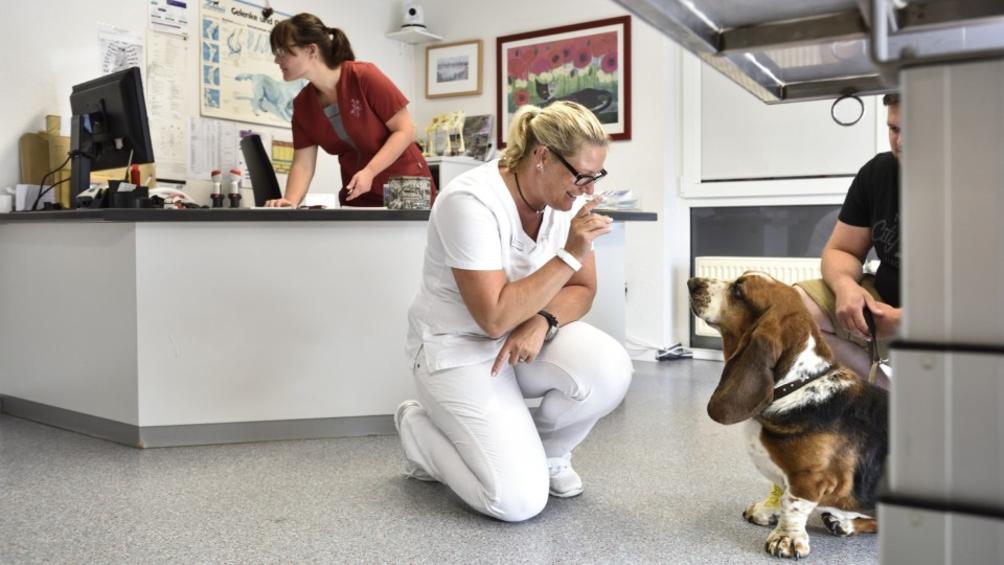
pixel 786 269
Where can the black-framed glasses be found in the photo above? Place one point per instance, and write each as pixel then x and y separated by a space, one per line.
pixel 580 179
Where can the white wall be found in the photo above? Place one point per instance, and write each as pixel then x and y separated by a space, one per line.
pixel 787 139
pixel 46 70
pixel 647 164
pixel 664 152
pixel 50 45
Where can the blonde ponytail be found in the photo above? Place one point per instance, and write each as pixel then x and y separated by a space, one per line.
pixel 521 139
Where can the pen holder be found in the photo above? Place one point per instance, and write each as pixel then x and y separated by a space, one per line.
pixel 123 199
pixel 107 196
pixel 139 195
pixel 119 199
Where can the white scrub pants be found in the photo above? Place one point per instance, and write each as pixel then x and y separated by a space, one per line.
pixel 475 434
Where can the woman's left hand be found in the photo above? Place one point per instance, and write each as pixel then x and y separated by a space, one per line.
pixel 523 344
pixel 360 184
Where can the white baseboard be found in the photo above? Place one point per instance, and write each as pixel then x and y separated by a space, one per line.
pixel 708 355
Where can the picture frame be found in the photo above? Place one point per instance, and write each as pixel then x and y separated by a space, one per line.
pixel 589 63
pixel 453 69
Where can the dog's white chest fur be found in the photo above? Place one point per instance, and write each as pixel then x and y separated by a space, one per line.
pixel 759 455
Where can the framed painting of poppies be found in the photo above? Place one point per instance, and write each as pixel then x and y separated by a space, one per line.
pixel 588 63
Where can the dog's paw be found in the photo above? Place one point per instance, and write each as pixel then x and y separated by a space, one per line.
pixel 762 513
pixel 838 526
pixel 787 543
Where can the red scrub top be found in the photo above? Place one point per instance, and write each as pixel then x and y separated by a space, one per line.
pixel 367 99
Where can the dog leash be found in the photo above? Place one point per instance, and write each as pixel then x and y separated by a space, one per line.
pixel 873 351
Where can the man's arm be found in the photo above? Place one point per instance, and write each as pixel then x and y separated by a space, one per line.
pixel 844 254
pixel 842 260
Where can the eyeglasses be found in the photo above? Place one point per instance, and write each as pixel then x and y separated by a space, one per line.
pixel 580 179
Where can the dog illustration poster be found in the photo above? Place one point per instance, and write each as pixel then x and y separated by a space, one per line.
pixel 588 63
pixel 239 79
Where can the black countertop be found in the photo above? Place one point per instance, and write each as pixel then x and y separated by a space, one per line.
pixel 260 215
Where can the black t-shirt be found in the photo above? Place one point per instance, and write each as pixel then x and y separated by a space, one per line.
pixel 873 202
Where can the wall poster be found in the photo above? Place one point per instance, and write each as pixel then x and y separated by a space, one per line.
pixel 239 79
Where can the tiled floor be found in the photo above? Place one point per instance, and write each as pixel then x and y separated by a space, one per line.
pixel 664 484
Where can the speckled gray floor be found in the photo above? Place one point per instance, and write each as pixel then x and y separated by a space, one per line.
pixel 664 484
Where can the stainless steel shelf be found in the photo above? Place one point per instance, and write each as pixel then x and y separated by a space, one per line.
pixel 789 50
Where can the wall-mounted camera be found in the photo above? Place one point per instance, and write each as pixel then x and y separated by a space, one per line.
pixel 412 16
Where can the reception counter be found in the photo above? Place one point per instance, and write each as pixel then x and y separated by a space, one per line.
pixel 180 327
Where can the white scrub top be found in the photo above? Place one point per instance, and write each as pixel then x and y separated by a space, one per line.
pixel 474 226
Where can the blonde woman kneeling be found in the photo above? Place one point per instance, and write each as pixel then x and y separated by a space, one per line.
pixel 509 270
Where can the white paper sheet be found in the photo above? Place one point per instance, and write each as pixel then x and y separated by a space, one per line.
pixel 215 144
pixel 120 49
pixel 165 102
pixel 170 16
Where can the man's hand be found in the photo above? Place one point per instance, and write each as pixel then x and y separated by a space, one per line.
pixel 887 323
pixel 523 344
pixel 851 301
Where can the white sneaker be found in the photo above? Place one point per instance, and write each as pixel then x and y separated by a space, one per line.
pixel 411 469
pixel 565 482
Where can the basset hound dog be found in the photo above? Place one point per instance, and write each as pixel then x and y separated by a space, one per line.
pixel 812 426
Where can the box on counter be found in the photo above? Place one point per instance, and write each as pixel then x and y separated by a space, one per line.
pixel 43 152
pixel 408 193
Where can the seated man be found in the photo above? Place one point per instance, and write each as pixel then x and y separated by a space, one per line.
pixel 869 218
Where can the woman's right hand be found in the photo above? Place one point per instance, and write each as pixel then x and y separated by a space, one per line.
pixel 278 203
pixel 586 227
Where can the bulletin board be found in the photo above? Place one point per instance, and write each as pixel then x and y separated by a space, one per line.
pixel 239 79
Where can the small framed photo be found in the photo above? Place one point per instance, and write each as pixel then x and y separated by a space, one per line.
pixel 453 69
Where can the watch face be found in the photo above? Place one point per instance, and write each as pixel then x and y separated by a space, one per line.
pixel 551 332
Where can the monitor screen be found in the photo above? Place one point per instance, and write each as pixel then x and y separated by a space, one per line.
pixel 109 126
pixel 263 181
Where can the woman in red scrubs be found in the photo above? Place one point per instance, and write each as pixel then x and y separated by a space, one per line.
pixel 349 109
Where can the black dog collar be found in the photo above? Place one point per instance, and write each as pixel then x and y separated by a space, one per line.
pixel 784 390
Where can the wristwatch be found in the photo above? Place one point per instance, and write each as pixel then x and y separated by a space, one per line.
pixel 552 325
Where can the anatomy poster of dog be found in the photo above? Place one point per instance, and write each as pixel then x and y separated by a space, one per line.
pixel 238 78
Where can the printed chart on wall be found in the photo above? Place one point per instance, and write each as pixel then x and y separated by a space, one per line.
pixel 238 78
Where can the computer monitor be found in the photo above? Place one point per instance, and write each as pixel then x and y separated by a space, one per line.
pixel 108 128
pixel 263 181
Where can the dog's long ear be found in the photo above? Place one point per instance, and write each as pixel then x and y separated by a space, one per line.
pixel 747 384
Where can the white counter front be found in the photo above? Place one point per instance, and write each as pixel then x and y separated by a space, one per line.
pixel 167 333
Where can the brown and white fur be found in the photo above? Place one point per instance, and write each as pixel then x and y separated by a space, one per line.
pixel 825 443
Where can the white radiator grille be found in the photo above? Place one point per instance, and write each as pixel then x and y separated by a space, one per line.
pixel 785 269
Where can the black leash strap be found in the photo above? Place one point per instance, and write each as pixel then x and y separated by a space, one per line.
pixel 873 351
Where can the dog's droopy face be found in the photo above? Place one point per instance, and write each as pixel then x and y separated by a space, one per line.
pixel 732 307
pixel 763 325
